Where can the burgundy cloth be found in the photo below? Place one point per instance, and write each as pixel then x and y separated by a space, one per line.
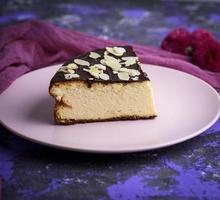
pixel 36 44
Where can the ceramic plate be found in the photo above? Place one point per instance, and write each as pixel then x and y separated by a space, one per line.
pixel 186 107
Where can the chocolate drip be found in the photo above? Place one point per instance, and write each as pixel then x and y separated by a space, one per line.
pixel 113 78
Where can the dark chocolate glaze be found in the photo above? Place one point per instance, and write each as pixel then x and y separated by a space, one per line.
pixel 84 76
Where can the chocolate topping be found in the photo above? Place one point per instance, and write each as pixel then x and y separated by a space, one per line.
pixel 108 65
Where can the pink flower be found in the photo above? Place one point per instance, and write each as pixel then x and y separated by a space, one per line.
pixel 177 41
pixel 201 45
pixel 206 54
pixel 201 35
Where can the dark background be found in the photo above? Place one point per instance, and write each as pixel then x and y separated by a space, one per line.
pixel 144 22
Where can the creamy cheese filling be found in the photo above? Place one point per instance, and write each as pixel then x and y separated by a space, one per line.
pixel 103 101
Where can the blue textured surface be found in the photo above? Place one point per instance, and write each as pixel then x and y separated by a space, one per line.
pixel 190 170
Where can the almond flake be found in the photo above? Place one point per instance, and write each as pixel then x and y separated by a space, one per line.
pixel 68 76
pixel 103 62
pixel 94 55
pixel 104 76
pixel 134 72
pixel 94 71
pixel 123 76
pixel 115 72
pixel 134 78
pixel 91 79
pixel 129 57
pixel 112 62
pixel 84 69
pixel 62 69
pixel 100 66
pixel 114 65
pixel 117 51
pixel 109 49
pixel 106 53
pixel 71 71
pixel 107 57
pixel 130 61
pixel 75 75
pixel 123 69
pixel 71 66
pixel 81 62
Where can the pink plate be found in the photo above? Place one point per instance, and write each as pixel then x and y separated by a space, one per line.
pixel 186 106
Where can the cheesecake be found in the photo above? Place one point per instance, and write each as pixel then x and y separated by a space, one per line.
pixel 102 85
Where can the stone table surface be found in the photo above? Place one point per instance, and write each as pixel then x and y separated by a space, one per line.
pixel 190 170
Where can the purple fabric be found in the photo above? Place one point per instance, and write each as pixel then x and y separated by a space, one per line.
pixel 36 44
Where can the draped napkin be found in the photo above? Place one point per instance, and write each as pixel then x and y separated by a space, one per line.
pixel 35 44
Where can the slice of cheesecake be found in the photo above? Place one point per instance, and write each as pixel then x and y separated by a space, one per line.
pixel 102 85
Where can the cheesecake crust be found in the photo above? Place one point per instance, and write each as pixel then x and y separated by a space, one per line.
pixel 122 118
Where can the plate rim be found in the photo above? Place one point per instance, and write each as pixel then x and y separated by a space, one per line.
pixel 126 150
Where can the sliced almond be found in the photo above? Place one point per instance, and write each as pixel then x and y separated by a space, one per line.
pixel 75 75
pixel 62 69
pixel 123 69
pixel 94 55
pixel 112 62
pixel 100 66
pixel 103 62
pixel 68 76
pixel 117 51
pixel 71 71
pixel 91 79
pixel 94 71
pixel 129 57
pixel 130 61
pixel 104 76
pixel 110 58
pixel 114 65
pixel 72 66
pixel 115 72
pixel 134 78
pixel 109 49
pixel 134 72
pixel 106 53
pixel 123 76
pixel 81 62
